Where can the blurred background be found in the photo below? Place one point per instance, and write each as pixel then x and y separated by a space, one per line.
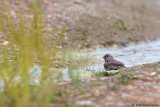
pixel 51 53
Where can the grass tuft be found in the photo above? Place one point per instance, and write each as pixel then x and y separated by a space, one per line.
pixel 120 24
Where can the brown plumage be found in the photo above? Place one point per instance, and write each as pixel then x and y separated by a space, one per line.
pixel 111 63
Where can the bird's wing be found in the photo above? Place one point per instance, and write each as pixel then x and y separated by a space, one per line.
pixel 115 62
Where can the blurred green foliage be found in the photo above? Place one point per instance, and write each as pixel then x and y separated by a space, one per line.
pixel 27 48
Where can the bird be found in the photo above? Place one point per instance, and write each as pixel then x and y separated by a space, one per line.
pixel 111 63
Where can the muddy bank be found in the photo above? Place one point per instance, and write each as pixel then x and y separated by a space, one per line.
pixel 108 22
pixel 100 23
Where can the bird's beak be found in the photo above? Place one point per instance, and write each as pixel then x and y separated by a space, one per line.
pixel 103 57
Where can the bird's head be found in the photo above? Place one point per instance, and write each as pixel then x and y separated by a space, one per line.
pixel 108 57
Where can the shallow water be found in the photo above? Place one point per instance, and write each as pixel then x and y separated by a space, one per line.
pixel 131 56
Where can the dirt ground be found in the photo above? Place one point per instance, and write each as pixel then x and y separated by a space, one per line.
pixel 96 28
pixel 137 86
pixel 91 23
